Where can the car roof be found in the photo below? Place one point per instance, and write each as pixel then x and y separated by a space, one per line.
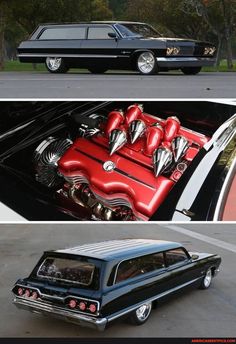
pixel 123 248
pixel 95 22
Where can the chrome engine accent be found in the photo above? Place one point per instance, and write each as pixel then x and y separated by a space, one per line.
pixel 91 132
pixel 115 202
pixel 103 209
pixel 162 158
pixel 76 180
pixel 109 166
pixel 117 139
pixel 91 128
pixel 179 147
pixel 136 129
pixel 45 159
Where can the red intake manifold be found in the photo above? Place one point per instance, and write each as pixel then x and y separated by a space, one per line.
pixel 142 168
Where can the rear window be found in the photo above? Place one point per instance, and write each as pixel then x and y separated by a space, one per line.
pixel 67 270
pixel 64 33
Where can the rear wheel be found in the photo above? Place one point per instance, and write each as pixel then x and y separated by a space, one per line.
pixel 56 65
pixel 191 70
pixel 206 282
pixel 146 63
pixel 141 314
pixel 97 70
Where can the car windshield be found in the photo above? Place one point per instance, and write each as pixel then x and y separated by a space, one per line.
pixel 67 270
pixel 137 30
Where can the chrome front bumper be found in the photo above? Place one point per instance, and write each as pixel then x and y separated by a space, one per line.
pixel 60 313
pixel 180 62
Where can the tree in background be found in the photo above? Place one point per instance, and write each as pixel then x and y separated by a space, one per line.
pixel 3 24
pixel 220 17
pixel 19 19
pixel 118 8
pixel 33 12
pixel 209 20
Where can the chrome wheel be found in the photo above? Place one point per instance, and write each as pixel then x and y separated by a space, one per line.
pixel 53 63
pixel 207 278
pixel 146 63
pixel 143 312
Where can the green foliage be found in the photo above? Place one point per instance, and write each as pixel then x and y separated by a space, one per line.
pixel 118 8
pixel 169 17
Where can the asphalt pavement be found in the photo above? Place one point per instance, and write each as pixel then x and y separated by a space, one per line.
pixel 113 85
pixel 195 313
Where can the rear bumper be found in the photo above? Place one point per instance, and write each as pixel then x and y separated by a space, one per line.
pixel 58 312
pixel 180 62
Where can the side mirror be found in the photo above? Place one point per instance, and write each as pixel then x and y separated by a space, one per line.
pixel 194 256
pixel 112 35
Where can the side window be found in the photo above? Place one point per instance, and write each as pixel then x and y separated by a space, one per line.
pixel 99 32
pixel 139 266
pixel 64 33
pixel 175 256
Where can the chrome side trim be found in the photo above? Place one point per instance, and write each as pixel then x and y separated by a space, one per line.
pixel 70 55
pixel 137 305
pixel 68 315
pixel 183 59
pixel 223 193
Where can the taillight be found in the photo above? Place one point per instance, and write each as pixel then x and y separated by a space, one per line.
pixel 27 293
pixel 72 303
pixel 82 306
pixel 34 295
pixel 92 308
pixel 20 291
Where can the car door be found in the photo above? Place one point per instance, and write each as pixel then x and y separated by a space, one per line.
pixel 136 281
pixel 182 269
pixel 99 47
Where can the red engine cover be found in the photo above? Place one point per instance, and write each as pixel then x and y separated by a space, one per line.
pixel 131 181
pixel 132 178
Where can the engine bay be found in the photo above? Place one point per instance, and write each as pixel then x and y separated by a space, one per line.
pixel 102 161
pixel 119 167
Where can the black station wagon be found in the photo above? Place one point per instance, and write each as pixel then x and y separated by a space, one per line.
pixel 94 284
pixel 99 46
